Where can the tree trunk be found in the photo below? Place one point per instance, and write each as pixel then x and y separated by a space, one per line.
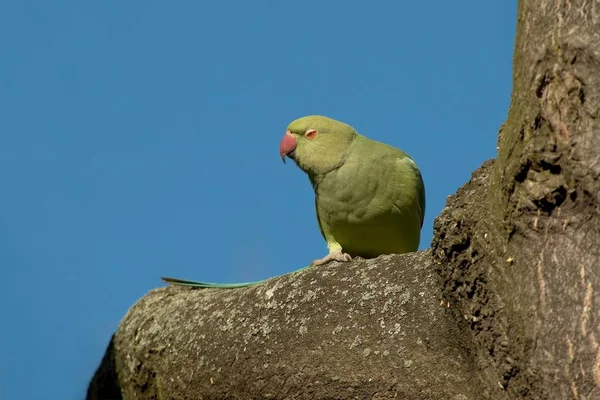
pixel 504 306
pixel 524 268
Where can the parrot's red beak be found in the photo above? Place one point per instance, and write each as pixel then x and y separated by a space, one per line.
pixel 287 146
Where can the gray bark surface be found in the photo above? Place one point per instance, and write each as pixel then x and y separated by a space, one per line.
pixel 369 329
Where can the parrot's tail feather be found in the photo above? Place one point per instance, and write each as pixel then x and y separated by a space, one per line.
pixel 206 285
pixel 209 285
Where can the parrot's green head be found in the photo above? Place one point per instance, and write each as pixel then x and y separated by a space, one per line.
pixel 317 144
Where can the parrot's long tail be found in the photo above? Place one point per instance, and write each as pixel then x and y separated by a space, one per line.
pixel 206 285
pixel 210 285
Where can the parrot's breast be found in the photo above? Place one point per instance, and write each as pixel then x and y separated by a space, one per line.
pixel 371 207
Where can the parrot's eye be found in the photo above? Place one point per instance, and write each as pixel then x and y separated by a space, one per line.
pixel 310 134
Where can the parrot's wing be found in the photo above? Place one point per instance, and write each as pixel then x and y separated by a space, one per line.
pixel 421 189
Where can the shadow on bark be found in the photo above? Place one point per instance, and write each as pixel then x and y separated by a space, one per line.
pixel 105 383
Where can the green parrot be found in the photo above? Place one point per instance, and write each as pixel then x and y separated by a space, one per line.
pixel 369 196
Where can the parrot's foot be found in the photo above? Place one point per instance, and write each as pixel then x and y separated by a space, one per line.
pixel 337 255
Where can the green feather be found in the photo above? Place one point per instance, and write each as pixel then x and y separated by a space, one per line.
pixel 211 285
pixel 369 196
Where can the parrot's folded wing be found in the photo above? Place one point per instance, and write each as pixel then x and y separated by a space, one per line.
pixel 210 285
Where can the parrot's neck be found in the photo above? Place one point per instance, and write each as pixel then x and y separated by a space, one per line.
pixel 317 173
pixel 317 177
pixel 321 161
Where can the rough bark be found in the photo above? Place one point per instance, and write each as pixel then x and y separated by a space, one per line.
pixel 504 306
pixel 524 267
pixel 371 329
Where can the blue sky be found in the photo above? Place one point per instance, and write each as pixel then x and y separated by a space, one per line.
pixel 140 139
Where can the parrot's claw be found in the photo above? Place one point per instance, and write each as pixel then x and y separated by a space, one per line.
pixel 335 256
